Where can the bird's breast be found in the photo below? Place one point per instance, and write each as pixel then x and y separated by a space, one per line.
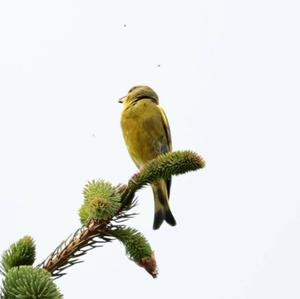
pixel 143 132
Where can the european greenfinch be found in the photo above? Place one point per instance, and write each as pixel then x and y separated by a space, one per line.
pixel 147 135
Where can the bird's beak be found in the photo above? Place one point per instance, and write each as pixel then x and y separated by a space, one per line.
pixel 122 100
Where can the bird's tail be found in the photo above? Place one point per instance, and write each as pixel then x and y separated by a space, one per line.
pixel 162 209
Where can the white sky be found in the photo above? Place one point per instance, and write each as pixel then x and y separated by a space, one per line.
pixel 229 83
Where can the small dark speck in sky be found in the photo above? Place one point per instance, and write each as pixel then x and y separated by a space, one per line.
pixel 124 25
pixel 158 65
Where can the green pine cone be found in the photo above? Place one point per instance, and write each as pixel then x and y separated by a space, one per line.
pixel 166 165
pixel 101 202
pixel 20 253
pixel 27 282
pixel 137 248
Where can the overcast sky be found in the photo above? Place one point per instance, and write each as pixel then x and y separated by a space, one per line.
pixel 227 73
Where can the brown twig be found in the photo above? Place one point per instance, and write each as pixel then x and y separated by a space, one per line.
pixel 81 242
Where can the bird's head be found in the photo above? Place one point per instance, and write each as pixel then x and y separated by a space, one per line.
pixel 137 93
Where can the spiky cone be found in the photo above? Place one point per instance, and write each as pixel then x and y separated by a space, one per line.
pixel 26 282
pixel 20 253
pixel 137 248
pixel 102 201
pixel 164 166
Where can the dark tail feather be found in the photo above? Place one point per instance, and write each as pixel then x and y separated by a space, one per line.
pixel 158 219
pixel 169 217
pixel 162 209
pixel 162 215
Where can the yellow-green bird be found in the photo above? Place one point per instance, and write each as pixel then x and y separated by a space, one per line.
pixel 147 135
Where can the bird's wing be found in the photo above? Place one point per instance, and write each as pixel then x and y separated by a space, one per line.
pixel 166 128
pixel 169 140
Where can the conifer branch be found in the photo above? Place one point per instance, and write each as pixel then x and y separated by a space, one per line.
pixel 105 204
pixel 102 215
pixel 67 254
